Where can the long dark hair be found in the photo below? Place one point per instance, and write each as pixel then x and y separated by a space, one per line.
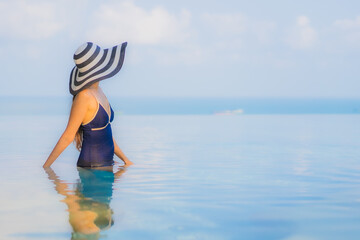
pixel 78 136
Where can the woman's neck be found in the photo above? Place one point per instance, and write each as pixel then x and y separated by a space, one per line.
pixel 95 86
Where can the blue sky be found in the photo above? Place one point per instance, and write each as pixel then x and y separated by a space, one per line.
pixel 187 48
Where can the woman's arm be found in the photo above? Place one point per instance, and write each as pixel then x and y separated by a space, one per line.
pixel 121 155
pixel 77 114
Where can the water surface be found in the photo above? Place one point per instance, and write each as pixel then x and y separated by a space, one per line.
pixel 195 177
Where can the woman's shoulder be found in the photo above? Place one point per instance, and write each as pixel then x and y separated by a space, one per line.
pixel 83 95
pixel 85 98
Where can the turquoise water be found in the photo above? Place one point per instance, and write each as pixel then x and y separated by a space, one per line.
pixel 250 176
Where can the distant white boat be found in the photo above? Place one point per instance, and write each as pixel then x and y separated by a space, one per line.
pixel 230 112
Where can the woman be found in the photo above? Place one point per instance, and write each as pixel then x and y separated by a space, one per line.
pixel 91 114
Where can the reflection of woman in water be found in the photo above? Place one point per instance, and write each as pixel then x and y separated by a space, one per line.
pixel 91 114
pixel 89 204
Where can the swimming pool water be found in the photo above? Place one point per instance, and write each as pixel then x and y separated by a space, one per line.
pixel 284 177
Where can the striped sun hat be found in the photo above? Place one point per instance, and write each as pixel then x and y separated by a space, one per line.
pixel 94 64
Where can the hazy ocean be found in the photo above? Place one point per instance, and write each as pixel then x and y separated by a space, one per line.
pixel 181 106
pixel 284 169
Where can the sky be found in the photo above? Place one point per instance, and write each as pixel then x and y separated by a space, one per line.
pixel 188 48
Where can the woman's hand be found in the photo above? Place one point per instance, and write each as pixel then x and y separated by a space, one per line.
pixel 127 162
pixel 121 155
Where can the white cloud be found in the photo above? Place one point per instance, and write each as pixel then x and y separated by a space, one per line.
pixel 350 29
pixel 28 20
pixel 263 30
pixel 125 21
pixel 348 23
pixel 302 35
pixel 238 28
pixel 188 55
pixel 303 21
pixel 226 23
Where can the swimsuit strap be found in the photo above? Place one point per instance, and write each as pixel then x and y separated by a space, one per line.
pixel 97 100
pixel 102 105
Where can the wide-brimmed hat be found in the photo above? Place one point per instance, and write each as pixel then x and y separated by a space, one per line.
pixel 94 64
